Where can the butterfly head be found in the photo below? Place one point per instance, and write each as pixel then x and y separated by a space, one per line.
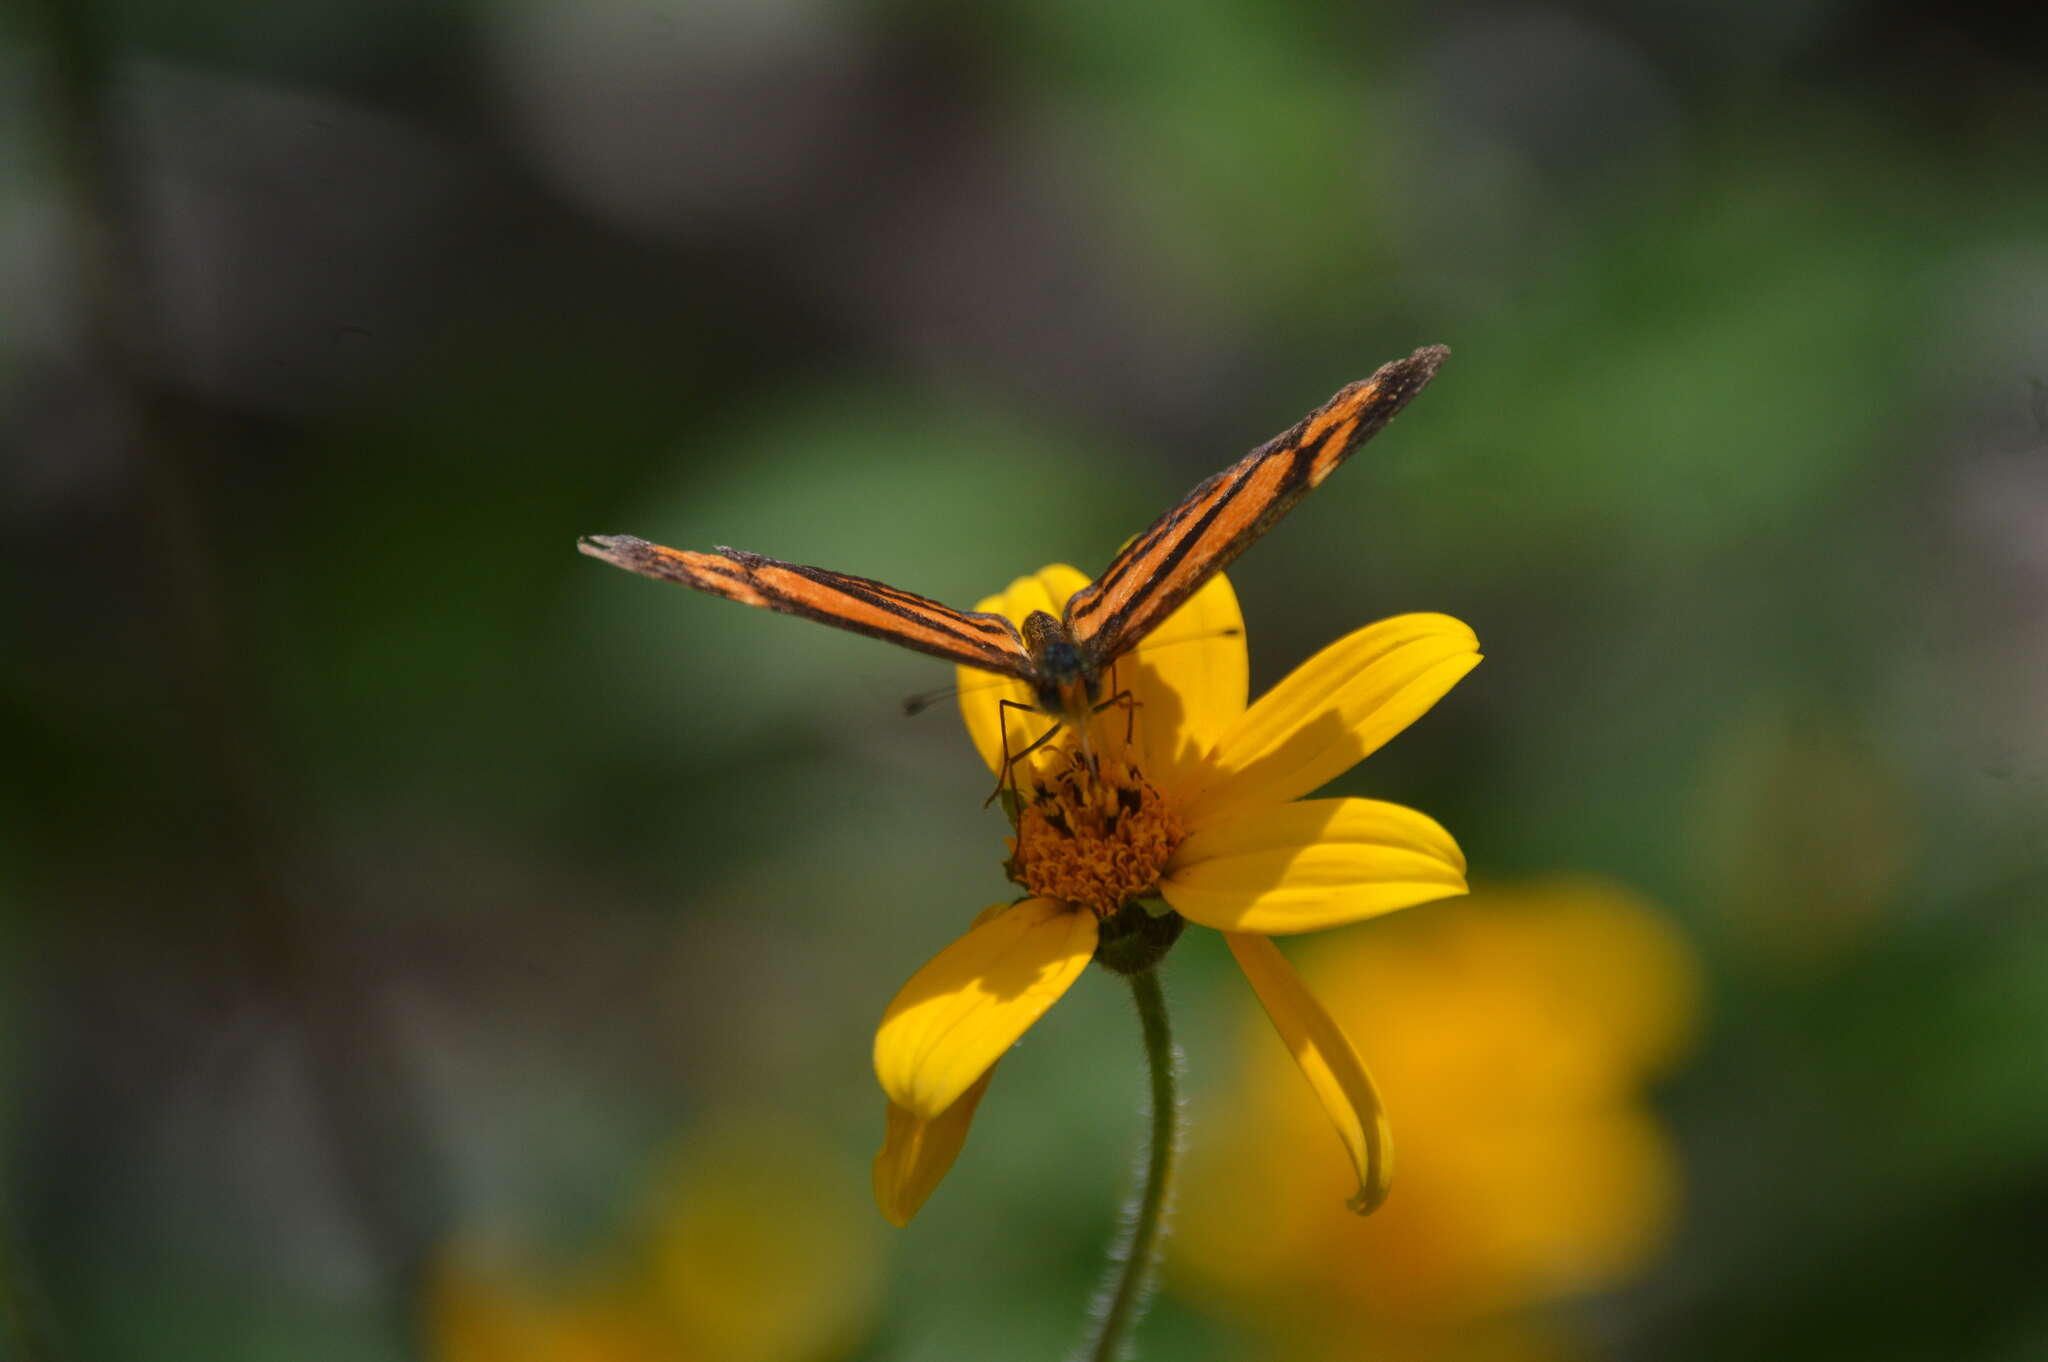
pixel 1063 681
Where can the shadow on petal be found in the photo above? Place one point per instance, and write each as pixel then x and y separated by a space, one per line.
pixel 917 1153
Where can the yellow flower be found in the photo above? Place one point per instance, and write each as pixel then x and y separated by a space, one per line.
pixel 1514 1035
pixel 1181 792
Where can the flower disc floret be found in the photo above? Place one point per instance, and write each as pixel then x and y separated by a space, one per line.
pixel 1093 832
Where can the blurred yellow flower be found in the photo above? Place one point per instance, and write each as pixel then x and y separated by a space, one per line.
pixel 1513 1034
pixel 485 1314
pixel 747 1249
pixel 1186 794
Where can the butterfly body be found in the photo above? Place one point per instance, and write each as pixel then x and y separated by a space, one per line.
pixel 1064 660
pixel 1065 681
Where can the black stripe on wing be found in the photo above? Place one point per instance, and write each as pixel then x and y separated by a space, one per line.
pixel 1209 527
pixel 968 638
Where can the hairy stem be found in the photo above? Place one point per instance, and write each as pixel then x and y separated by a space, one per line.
pixel 1129 1287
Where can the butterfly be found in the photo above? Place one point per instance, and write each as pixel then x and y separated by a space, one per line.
pixel 1064 660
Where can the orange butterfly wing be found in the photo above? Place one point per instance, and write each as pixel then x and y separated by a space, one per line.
pixel 970 638
pixel 1145 583
pixel 1217 521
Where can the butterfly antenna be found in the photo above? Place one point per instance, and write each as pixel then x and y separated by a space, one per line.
pixel 924 700
pixel 918 704
pixel 1154 646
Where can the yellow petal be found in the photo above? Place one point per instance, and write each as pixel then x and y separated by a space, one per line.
pixel 916 1153
pixel 1327 1060
pixel 1189 678
pixel 1047 590
pixel 1312 864
pixel 973 1000
pixel 1334 710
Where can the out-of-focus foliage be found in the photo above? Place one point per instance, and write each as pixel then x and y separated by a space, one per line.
pixel 376 873
pixel 754 1245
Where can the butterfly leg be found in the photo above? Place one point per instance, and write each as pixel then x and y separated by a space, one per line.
pixel 1124 700
pixel 1130 705
pixel 1003 707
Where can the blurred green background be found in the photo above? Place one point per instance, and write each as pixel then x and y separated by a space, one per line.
pixel 419 941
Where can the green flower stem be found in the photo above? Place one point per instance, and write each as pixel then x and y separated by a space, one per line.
pixel 1125 1299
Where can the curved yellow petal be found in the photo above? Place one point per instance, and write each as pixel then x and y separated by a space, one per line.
pixel 973 1000
pixel 1327 1060
pixel 916 1153
pixel 1047 590
pixel 1190 678
pixel 1334 710
pixel 1312 864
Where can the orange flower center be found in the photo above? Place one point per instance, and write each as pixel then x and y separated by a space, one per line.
pixel 1093 832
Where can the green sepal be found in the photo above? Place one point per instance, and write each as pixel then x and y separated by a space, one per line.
pixel 1133 940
